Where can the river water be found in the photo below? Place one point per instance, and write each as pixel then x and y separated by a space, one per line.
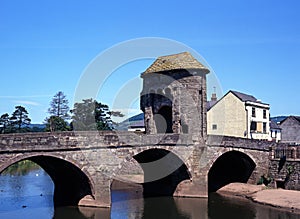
pixel 30 196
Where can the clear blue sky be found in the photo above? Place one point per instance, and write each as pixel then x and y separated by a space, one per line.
pixel 252 46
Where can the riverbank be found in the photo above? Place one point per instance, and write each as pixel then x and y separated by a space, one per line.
pixel 279 198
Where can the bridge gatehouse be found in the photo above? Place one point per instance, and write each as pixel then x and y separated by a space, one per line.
pixel 175 156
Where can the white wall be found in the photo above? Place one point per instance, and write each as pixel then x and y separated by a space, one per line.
pixel 259 107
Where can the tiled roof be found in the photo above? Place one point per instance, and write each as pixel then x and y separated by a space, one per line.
pixel 177 61
pixel 244 97
pixel 273 125
pixel 297 118
pixel 210 104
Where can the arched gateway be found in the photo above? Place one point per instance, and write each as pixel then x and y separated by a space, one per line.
pixel 232 166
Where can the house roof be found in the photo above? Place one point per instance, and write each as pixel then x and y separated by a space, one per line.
pixel 297 118
pixel 244 97
pixel 273 125
pixel 182 60
pixel 278 119
pixel 210 104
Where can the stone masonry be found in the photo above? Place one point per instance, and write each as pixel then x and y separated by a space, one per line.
pixel 97 157
pixel 175 155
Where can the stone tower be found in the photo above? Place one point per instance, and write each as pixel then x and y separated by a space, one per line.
pixel 173 98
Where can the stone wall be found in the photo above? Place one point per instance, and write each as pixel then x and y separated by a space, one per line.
pixel 100 156
pixel 183 93
pixel 104 156
pixel 285 176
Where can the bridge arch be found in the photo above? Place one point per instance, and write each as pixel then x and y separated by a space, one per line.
pixel 71 183
pixel 163 171
pixel 231 166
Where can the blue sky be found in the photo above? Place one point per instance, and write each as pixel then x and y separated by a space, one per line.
pixel 45 46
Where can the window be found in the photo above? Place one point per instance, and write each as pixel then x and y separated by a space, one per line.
pixel 259 127
pixel 265 114
pixel 253 111
pixel 264 127
pixel 214 127
pixel 163 122
pixel 253 126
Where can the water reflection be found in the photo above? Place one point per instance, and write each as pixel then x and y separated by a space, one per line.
pixel 81 213
pixel 21 168
pixel 31 196
pixel 219 205
pixel 231 207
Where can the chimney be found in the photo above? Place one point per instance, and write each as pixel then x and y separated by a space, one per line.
pixel 214 95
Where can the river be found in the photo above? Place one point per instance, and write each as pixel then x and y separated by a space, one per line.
pixel 29 195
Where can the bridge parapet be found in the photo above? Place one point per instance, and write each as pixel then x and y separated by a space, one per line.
pixel 90 139
pixel 235 142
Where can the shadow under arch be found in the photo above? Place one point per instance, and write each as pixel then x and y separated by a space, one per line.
pixel 161 161
pixel 232 166
pixel 71 184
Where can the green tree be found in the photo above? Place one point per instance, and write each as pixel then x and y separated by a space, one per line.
pixel 115 114
pixel 4 123
pixel 19 119
pixel 59 113
pixel 59 106
pixel 55 123
pixel 91 115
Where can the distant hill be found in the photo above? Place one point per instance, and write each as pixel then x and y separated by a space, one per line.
pixel 37 127
pixel 41 126
pixel 278 119
pixel 137 119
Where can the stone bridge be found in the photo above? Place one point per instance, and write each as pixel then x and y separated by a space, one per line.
pixel 175 156
pixel 83 165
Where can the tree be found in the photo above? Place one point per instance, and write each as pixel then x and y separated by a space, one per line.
pixel 55 123
pixel 115 114
pixel 91 115
pixel 59 112
pixel 4 123
pixel 20 118
pixel 59 106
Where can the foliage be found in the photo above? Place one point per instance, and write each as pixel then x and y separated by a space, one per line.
pixel 4 123
pixel 59 106
pixel 290 169
pixel 21 168
pixel 19 119
pixel 59 112
pixel 92 115
pixel 55 123
pixel 264 180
